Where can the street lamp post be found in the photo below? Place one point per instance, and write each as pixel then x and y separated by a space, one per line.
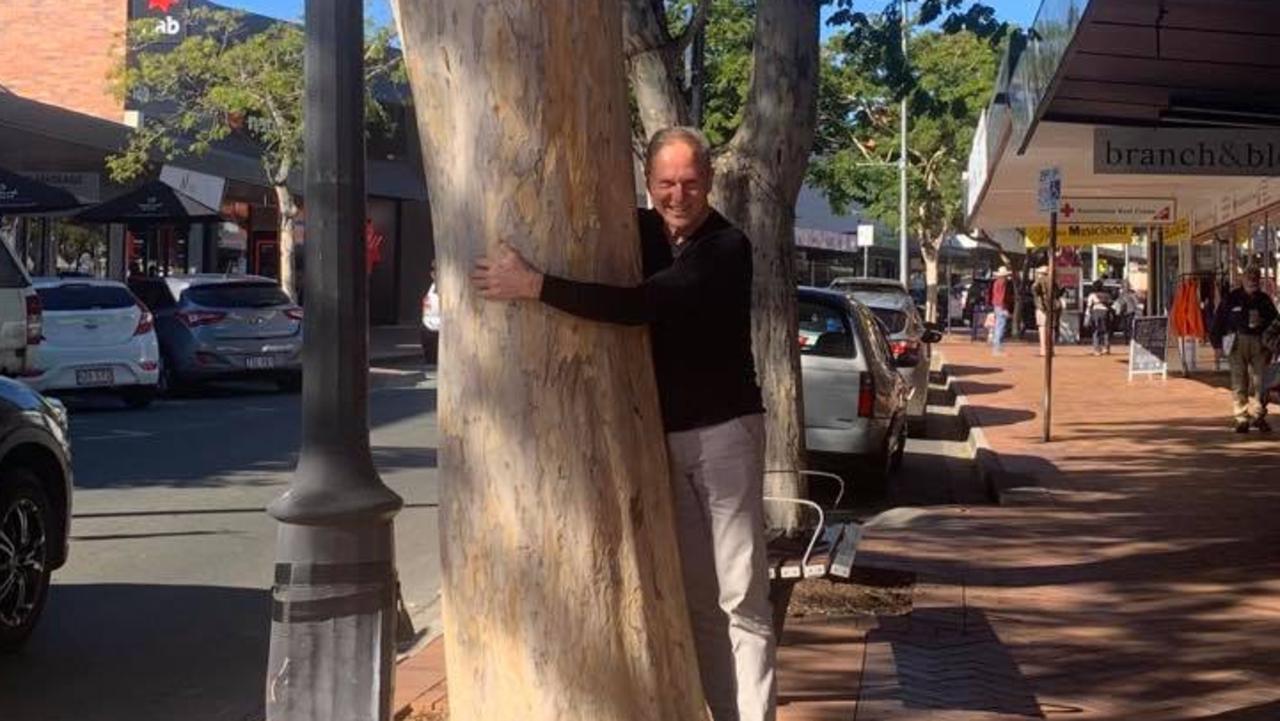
pixel 903 251
pixel 334 600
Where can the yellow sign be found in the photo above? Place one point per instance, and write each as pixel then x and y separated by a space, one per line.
pixel 1085 235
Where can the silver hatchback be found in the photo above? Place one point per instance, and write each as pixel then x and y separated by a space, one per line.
pixel 215 327
pixel 855 402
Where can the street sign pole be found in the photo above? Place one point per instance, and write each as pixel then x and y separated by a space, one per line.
pixel 1051 317
pixel 333 627
pixel 1049 198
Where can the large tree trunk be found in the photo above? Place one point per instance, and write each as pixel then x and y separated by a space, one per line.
pixel 758 178
pixel 651 66
pixel 930 252
pixel 562 591
pixel 287 220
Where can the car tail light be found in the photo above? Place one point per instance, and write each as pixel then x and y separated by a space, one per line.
pixel 146 321
pixel 149 365
pixel 197 318
pixel 905 350
pixel 35 320
pixel 294 313
pixel 866 396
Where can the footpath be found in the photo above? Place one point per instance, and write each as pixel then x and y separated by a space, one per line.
pixel 1130 572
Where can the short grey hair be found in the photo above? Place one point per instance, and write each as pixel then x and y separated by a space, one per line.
pixel 679 134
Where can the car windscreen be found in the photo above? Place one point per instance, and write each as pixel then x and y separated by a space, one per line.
pixel 84 297
pixel 237 295
pixel 894 321
pixel 824 331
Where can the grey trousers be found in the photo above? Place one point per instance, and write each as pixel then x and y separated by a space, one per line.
pixel 717 474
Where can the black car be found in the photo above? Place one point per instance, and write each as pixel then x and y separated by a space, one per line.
pixel 35 505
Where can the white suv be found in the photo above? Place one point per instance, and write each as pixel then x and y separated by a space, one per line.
pixel 20 316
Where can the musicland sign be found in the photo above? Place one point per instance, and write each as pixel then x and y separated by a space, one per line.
pixel 1186 151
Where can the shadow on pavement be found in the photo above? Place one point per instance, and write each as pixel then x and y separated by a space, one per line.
pixel 117 652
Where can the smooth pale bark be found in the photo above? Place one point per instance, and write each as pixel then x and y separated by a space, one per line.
pixel 562 591
pixel 288 217
pixel 930 252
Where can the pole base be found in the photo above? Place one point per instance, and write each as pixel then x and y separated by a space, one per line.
pixel 333 624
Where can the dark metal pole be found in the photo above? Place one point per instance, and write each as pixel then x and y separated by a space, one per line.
pixel 334 600
pixel 1051 317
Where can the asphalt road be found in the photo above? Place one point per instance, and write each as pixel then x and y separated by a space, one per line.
pixel 163 612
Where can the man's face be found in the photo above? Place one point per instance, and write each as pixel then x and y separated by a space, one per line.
pixel 1251 284
pixel 679 189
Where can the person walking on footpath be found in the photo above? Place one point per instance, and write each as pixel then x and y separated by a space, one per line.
pixel 1126 309
pixel 696 299
pixel 1002 298
pixel 1242 318
pixel 1098 309
pixel 1041 292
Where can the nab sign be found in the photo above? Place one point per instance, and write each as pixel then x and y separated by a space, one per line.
pixel 170 18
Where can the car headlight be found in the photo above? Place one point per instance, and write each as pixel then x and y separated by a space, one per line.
pixel 59 412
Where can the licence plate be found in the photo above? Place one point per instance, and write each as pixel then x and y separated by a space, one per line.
pixel 259 362
pixel 95 377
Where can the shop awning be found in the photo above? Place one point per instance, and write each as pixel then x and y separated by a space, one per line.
pixel 20 195
pixel 1123 63
pixel 154 203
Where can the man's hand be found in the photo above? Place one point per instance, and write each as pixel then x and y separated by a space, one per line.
pixel 506 275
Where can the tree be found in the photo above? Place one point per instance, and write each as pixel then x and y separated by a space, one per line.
pixel 759 170
pixel 561 581
pixel 947 78
pixel 228 80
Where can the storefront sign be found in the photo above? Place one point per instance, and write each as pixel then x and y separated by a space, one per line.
pixel 207 189
pixel 1116 211
pixel 1077 235
pixel 1182 151
pixel 87 187
pixel 170 18
pixel 1149 351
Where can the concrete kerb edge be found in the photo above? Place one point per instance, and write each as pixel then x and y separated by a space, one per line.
pixel 1001 485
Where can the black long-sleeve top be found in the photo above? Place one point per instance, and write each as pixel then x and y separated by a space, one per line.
pixel 696 299
pixel 1236 311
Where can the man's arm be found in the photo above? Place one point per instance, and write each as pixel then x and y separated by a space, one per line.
pixel 712 269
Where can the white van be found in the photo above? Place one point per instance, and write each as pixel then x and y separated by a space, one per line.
pixel 20 315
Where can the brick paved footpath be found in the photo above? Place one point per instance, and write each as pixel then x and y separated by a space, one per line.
pixel 1133 574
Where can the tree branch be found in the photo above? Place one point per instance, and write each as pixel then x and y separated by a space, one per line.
pixel 695 26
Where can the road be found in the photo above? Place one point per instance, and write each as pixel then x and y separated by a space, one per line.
pixel 163 611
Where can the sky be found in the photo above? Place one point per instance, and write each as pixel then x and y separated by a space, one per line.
pixel 1021 12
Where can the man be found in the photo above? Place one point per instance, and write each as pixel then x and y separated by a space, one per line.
pixel 1238 326
pixel 1126 308
pixel 1002 298
pixel 1043 293
pixel 696 298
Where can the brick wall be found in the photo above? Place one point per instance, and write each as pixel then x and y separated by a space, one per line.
pixel 60 52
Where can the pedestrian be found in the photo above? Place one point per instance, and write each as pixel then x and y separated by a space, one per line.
pixel 1242 318
pixel 1042 292
pixel 1098 315
pixel 1002 299
pixel 1126 309
pixel 697 266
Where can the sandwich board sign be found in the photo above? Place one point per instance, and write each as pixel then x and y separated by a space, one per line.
pixel 1149 349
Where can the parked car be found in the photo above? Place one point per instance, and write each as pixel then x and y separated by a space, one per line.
pixel 221 327
pixel 855 401
pixel 910 341
pixel 97 338
pixel 35 505
pixel 20 315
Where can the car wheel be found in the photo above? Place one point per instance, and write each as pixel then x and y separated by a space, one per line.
pixel 899 452
pixel 168 383
pixel 139 396
pixel 290 383
pixel 25 520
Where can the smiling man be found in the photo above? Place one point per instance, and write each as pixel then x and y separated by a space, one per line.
pixel 696 299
